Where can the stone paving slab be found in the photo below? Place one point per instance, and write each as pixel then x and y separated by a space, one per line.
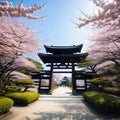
pixel 61 105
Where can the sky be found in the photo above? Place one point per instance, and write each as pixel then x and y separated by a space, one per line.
pixel 58 28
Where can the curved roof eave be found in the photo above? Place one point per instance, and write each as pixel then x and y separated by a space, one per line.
pixel 63 49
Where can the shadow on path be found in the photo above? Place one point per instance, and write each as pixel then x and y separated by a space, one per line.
pixel 81 111
pixel 62 105
pixel 69 107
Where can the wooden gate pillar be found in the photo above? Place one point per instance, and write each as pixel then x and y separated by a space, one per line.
pixel 39 84
pixel 51 76
pixel 73 79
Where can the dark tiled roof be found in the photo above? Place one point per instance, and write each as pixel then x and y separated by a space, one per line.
pixel 63 49
pixel 57 58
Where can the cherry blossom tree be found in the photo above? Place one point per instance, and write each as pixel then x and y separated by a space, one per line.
pixel 106 40
pixel 106 48
pixel 7 9
pixel 106 21
pixel 15 42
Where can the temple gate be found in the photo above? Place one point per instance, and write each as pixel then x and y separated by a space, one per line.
pixel 62 57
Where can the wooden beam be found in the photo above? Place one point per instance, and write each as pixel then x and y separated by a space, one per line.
pixel 56 64
pixel 62 71
pixel 58 67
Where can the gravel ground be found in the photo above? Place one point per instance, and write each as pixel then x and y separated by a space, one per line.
pixel 61 105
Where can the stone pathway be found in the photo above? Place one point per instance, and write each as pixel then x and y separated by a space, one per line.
pixel 61 105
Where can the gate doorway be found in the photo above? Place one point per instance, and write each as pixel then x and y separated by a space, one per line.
pixel 58 59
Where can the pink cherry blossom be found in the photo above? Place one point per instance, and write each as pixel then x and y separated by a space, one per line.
pixel 106 41
pixel 7 9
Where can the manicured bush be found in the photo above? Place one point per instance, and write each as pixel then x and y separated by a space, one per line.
pixel 103 102
pixel 5 104
pixel 12 88
pixel 23 98
pixel 99 82
pixel 112 90
pixel 26 83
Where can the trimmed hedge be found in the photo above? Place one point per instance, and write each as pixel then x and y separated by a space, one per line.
pixel 12 88
pixel 25 81
pixel 98 81
pixel 5 104
pixel 103 102
pixel 112 90
pixel 23 98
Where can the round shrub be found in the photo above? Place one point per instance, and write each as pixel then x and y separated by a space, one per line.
pixel 112 90
pixel 26 83
pixel 5 104
pixel 99 82
pixel 12 88
pixel 103 102
pixel 23 98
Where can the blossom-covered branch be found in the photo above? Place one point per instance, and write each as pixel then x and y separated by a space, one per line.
pixel 7 9
pixel 108 14
pixel 15 42
pixel 106 44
